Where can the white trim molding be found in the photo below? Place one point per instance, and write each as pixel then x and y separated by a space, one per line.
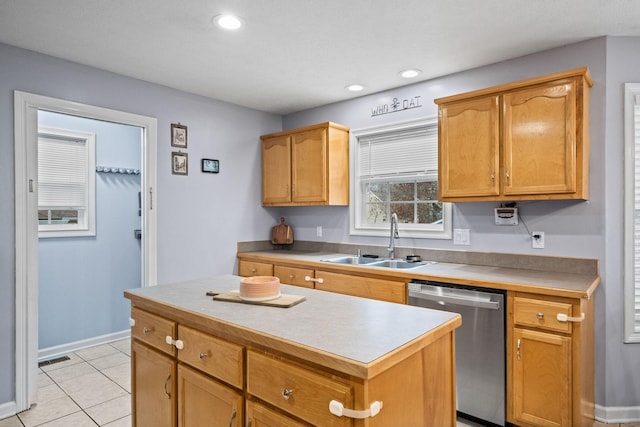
pixel 26 106
pixel 617 414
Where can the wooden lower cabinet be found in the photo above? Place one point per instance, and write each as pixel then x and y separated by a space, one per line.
pixel 153 387
pixel 254 268
pixel 367 287
pixel 260 416
pixel 203 401
pixel 295 276
pixel 542 378
pixel 550 366
pixel 348 284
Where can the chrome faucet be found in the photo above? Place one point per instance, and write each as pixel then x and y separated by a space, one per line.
pixel 393 234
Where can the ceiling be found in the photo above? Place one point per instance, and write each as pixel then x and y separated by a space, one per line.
pixel 292 55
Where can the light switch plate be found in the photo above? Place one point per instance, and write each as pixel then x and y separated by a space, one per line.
pixel 461 236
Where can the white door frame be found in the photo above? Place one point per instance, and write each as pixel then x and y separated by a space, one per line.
pixel 26 106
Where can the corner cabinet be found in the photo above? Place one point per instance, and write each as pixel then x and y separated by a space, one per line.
pixel 520 141
pixel 306 166
pixel 551 361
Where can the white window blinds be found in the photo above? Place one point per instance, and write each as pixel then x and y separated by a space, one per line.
pixel 632 213
pixel 412 152
pixel 62 173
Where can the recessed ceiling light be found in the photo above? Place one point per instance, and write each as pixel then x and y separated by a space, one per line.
pixel 228 22
pixel 410 73
pixel 355 87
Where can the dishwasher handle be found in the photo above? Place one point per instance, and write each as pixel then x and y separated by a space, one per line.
pixel 464 300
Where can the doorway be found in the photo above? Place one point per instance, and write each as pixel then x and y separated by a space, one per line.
pixel 26 108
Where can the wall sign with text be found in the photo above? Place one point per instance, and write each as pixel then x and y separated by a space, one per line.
pixel 396 105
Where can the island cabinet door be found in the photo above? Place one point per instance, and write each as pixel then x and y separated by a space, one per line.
pixel 153 381
pixel 202 401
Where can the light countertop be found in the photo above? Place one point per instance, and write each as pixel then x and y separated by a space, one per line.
pixel 537 280
pixel 349 328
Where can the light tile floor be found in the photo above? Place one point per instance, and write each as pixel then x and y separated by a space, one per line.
pixel 92 388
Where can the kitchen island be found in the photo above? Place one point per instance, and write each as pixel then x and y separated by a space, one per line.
pixel 195 359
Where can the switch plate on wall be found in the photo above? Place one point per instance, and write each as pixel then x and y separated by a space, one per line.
pixel 461 236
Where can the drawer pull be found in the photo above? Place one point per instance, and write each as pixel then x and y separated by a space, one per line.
pixel 147 330
pixel 203 355
pixel 178 343
pixel 311 279
pixel 337 408
pixel 540 315
pixel 132 322
pixel 287 393
pixel 564 318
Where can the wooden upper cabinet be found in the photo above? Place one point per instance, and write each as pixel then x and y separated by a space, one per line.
pixel 306 166
pixel 276 170
pixel 520 141
pixel 469 135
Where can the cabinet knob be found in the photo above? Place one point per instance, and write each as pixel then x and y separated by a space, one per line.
pixel 203 355
pixel 147 330
pixel 287 393
pixel 540 315
pixel 253 270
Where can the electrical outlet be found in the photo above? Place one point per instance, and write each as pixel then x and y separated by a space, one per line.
pixel 319 231
pixel 537 240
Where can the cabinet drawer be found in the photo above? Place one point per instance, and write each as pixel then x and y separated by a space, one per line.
pixel 254 268
pixel 301 392
pixel 366 287
pixel 293 276
pixel 153 330
pixel 541 314
pixel 261 416
pixel 216 357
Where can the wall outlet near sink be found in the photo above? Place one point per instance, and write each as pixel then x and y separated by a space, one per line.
pixel 537 240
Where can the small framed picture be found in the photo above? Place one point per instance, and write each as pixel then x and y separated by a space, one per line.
pixel 210 166
pixel 179 163
pixel 178 135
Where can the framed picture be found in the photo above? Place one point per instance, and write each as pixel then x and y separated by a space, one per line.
pixel 210 166
pixel 178 135
pixel 179 163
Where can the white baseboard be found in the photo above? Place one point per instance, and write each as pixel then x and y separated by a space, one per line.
pixel 7 410
pixel 61 350
pixel 617 414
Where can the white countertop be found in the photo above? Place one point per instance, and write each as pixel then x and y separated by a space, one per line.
pixel 358 329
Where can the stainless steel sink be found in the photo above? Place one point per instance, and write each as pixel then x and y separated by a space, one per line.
pixel 354 260
pixel 377 262
pixel 398 263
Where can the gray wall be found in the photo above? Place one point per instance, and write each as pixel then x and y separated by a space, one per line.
pixel 200 216
pixel 590 229
pixel 84 277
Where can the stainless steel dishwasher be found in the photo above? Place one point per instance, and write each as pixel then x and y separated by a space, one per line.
pixel 479 345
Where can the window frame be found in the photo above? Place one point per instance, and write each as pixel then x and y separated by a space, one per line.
pixel 420 231
pixel 86 228
pixel 632 175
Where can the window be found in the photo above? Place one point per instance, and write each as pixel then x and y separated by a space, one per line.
pixel 396 170
pixel 66 183
pixel 632 213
